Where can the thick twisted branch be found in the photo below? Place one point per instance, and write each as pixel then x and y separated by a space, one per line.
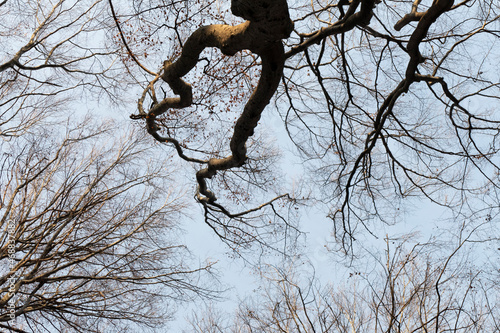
pixel 268 22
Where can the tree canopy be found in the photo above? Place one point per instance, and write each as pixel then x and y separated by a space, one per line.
pixel 358 109
pixel 384 100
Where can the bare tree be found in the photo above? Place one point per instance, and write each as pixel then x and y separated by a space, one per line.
pixel 415 288
pixel 92 221
pixel 53 53
pixel 402 105
pixel 383 99
pixel 89 220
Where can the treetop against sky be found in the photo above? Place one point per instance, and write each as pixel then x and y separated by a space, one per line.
pixel 386 104
pixel 384 100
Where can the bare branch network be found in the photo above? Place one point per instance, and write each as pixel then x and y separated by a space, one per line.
pixel 355 122
pixel 387 104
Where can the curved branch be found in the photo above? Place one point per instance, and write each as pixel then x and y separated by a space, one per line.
pixel 412 16
pixel 223 210
pixel 272 70
pixel 125 42
pixel 385 110
pixel 348 22
pixel 268 22
pixel 428 18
